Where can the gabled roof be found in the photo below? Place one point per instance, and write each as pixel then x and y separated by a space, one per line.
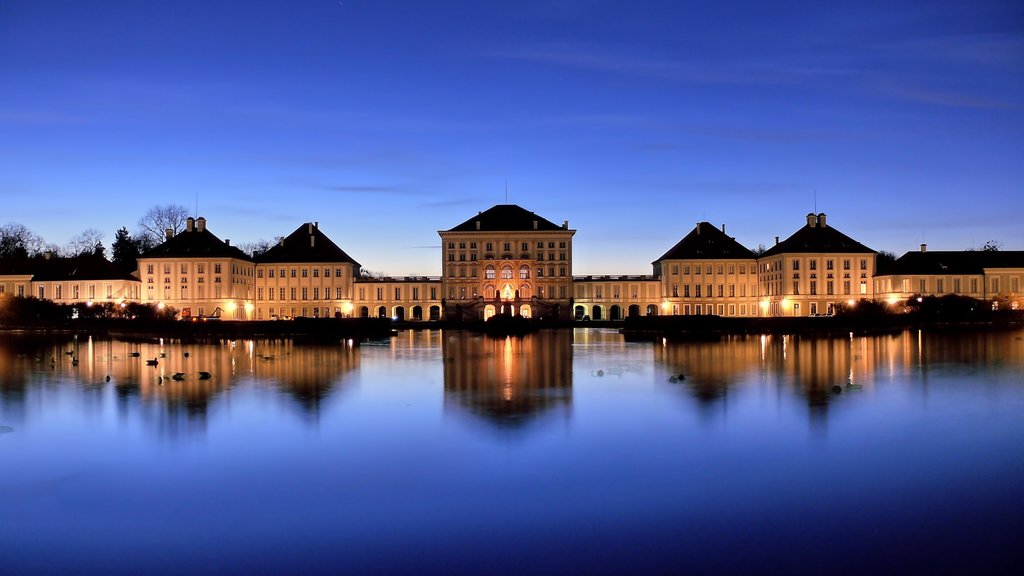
pixel 306 244
pixel 195 243
pixel 506 218
pixel 818 237
pixel 954 262
pixel 706 242
pixel 85 267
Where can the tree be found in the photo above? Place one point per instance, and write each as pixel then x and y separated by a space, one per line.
pixel 154 223
pixel 90 241
pixel 125 250
pixel 992 246
pixel 17 241
pixel 759 251
pixel 254 249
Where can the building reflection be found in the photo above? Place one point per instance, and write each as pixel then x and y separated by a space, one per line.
pixel 508 381
pixel 172 384
pixel 709 369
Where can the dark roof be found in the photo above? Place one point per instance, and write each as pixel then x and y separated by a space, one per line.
pixel 306 244
pixel 195 243
pixel 815 239
pixel 706 242
pixel 505 218
pixel 958 262
pixel 54 269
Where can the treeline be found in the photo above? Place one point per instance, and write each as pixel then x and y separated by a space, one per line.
pixel 26 311
pixel 19 242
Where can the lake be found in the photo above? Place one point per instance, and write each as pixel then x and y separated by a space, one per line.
pixel 568 451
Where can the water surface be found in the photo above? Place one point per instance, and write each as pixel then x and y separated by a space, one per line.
pixel 561 452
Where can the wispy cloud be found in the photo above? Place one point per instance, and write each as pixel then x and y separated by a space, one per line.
pixel 451 202
pixel 366 189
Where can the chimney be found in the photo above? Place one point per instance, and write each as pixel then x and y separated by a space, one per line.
pixel 200 224
pixel 565 224
pixel 312 241
pixel 477 224
pixel 47 255
pixel 924 247
pixel 169 233
pixel 282 241
pixel 776 240
pixel 821 220
pixel 723 228
pixel 698 228
pixel 309 227
pixel 812 221
pixel 227 241
pixel 534 224
pixel 316 225
pixel 190 224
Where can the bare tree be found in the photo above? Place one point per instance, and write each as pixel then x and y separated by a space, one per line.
pixel 158 219
pixel 992 246
pixel 254 249
pixel 84 243
pixel 17 241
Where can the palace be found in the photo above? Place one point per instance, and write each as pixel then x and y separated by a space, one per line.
pixel 508 260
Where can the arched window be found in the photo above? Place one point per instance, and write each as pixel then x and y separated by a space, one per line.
pixel 524 272
pixel 506 273
pixel 489 273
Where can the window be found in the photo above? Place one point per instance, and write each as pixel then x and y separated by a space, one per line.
pixel 216 268
pixel 489 273
pixel 259 272
pixel 696 291
pixel 316 293
pixel 524 273
pixel 721 290
pixel 686 290
pixel 675 290
pixel 294 293
pixel 814 265
pixel 305 273
pixel 829 287
pixel 292 273
pixel 939 288
pixel 149 268
pixel 828 264
pixel 506 273
pixel 686 268
pixel 846 286
pixel 675 269
pixel 796 265
pixel 863 264
pixel 316 272
pixel 280 293
pixel 814 285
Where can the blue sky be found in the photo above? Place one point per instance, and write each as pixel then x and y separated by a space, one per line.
pixel 387 121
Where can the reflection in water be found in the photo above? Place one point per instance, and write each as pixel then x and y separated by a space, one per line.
pixel 171 384
pixel 823 369
pixel 512 380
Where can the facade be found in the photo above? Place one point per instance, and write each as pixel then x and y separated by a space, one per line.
pixel 996 276
pixel 708 272
pixel 413 298
pixel 305 274
pixel 87 279
pixel 615 297
pixel 507 260
pixel 813 271
pixel 199 274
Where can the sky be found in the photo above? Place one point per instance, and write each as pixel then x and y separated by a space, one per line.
pixel 386 121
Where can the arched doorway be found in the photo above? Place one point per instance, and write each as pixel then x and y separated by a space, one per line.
pixel 399 313
pixel 488 311
pixel 615 313
pixel 382 312
pixel 524 310
pixel 579 312
pixel 634 310
pixel 595 312
pixel 652 309
pixel 435 312
pixel 417 313
pixel 364 312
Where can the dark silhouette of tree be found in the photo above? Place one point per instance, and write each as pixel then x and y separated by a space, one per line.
pixel 760 250
pixel 17 241
pixel 884 259
pixel 158 219
pixel 84 243
pixel 992 246
pixel 126 250
pixel 254 249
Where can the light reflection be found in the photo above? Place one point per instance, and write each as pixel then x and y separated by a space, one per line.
pixel 508 381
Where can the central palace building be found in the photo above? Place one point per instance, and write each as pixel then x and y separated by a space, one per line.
pixel 509 260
